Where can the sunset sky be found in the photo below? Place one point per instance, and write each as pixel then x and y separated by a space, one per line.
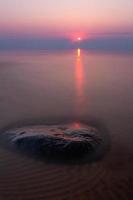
pixel 67 18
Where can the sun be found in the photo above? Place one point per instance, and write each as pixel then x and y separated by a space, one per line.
pixel 79 38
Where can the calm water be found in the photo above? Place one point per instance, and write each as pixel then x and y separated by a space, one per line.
pixel 40 86
pixel 75 84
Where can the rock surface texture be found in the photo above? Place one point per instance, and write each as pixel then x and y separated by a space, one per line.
pixel 57 141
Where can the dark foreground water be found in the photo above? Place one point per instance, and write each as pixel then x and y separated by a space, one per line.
pixel 36 87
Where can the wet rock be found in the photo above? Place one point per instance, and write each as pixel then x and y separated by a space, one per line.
pixel 64 143
pixel 60 142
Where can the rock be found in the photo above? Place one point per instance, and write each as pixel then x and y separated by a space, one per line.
pixel 63 142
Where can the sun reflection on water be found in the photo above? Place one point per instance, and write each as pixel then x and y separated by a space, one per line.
pixel 78 52
pixel 79 76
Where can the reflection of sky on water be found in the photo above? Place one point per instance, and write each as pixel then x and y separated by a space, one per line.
pixel 71 84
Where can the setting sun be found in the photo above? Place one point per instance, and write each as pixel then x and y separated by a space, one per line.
pixel 79 38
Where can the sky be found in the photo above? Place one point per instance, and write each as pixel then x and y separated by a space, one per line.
pixel 66 18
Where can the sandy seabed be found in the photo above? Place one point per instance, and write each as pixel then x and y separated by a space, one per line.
pixel 22 177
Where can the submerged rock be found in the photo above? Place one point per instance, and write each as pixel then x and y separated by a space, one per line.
pixel 64 142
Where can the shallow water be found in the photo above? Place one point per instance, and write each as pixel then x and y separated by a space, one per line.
pixel 36 87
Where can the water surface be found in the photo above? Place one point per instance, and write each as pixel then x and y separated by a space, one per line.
pixel 79 85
